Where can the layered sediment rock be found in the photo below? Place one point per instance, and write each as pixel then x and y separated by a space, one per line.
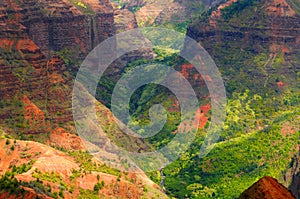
pixel 55 25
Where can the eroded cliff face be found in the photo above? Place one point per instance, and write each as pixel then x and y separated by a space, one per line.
pixel 35 91
pixel 36 88
pixel 167 12
pixel 236 35
pixel 55 25
pixel 36 99
pixel 31 31
pixel 295 186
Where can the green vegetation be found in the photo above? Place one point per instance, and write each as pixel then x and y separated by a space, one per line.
pixel 236 8
pixel 232 166
pixel 88 194
pixel 98 186
pixel 7 142
pixel 75 174
pixel 253 141
pixel 40 188
pixel 69 57
pixel 85 162
pixel 84 8
pixel 50 177
pixel 14 113
pixel 9 183
pixel 122 4
pixel 23 168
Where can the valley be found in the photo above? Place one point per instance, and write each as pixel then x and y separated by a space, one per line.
pixel 253 43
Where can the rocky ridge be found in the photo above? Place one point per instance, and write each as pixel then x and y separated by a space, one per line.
pixel 56 168
pixel 36 86
pixel 267 188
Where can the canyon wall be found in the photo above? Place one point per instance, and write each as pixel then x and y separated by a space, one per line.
pixel 256 46
pixel 235 35
pixel 55 25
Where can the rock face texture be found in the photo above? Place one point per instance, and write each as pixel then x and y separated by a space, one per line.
pixel 31 97
pixel 278 28
pixel 36 98
pixel 35 83
pixel 55 25
pixel 31 31
pixel 249 30
pixel 267 188
pixel 124 20
pixel 160 12
pixel 295 186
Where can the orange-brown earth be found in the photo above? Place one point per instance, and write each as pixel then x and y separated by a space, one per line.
pixel 288 128
pixel 267 188
pixel 36 78
pixel 47 160
pixel 36 93
pixel 217 13
pixel 29 194
pixel 198 81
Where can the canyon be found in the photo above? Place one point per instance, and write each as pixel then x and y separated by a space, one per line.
pixel 255 45
pixel 35 97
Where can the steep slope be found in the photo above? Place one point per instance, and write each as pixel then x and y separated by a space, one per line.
pixel 263 43
pixel 36 97
pixel 255 45
pixel 56 24
pixel 172 14
pixel 48 173
pixel 292 176
pixel 36 91
pixel 26 74
pixel 265 188
pixel 256 48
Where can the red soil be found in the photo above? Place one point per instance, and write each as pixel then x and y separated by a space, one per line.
pixel 27 46
pixel 267 188
pixel 47 159
pixel 61 138
pixel 33 114
pixel 6 43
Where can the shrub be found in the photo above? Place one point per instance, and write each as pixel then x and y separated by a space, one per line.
pixel 61 194
pixel 98 186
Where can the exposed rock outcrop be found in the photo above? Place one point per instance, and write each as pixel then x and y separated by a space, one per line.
pixel 55 25
pixel 231 27
pixel 267 188
pixel 36 90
